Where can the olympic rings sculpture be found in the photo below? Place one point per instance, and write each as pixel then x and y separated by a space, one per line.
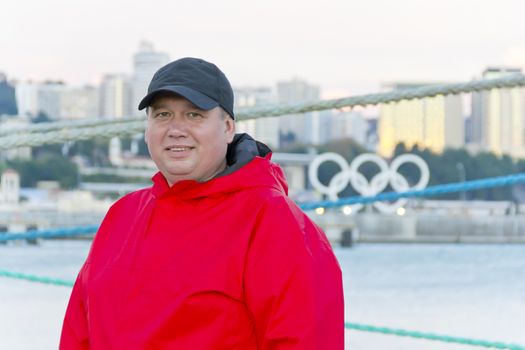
pixel 349 174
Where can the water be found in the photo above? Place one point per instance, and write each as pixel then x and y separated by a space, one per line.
pixel 473 291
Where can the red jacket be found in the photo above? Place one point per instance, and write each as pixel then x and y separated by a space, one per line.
pixel 231 263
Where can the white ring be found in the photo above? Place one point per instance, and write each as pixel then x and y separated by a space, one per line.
pixel 424 175
pixel 314 167
pixel 350 174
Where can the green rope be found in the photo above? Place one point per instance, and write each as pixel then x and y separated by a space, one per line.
pixel 348 325
pixel 431 336
pixel 33 278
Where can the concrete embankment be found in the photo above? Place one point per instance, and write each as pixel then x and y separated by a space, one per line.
pixel 413 228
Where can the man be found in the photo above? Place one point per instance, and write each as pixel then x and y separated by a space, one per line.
pixel 214 255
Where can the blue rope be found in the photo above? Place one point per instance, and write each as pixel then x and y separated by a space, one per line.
pixel 427 192
pixel 389 196
pixel 63 232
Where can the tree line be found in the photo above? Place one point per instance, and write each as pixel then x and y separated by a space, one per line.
pixel 58 163
pixel 54 162
pixel 450 166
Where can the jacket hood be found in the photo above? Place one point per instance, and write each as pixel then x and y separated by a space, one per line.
pixel 249 165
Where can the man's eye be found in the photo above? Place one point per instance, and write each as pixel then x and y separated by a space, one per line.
pixel 194 115
pixel 162 115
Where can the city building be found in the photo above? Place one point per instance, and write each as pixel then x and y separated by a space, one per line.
pixel 24 209
pixel 56 100
pixel 49 98
pixel 146 61
pixel 27 98
pixel 305 127
pixel 265 130
pixel 8 104
pixel 497 123
pixel 435 123
pixel 371 135
pixel 79 102
pixel 348 125
pixel 9 187
pixel 115 96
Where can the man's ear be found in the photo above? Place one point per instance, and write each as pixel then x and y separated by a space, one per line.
pixel 230 128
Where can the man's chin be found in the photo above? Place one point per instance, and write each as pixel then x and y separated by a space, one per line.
pixel 176 176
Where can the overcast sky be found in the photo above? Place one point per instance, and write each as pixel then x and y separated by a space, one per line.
pixel 345 46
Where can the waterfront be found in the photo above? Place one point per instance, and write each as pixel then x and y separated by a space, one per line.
pixel 473 291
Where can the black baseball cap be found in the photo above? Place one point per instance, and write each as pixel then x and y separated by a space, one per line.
pixel 199 81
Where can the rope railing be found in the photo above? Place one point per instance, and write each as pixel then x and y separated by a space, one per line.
pixel 59 132
pixel 431 191
pixel 435 190
pixel 515 80
pixel 34 278
pixel 348 325
pixel 45 234
pixel 66 124
pixel 389 196
pixel 71 134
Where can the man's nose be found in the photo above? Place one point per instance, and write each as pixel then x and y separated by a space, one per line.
pixel 177 127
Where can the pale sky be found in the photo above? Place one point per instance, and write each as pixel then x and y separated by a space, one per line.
pixel 344 46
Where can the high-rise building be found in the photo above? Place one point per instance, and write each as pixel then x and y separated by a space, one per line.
pixel 146 61
pixel 348 125
pixel 431 122
pixel 8 103
pixel 27 98
pixel 79 103
pixel 115 96
pixel 50 99
pixel 497 123
pixel 265 130
pixel 306 127
pixel 57 100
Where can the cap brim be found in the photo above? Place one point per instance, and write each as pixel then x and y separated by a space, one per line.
pixel 197 98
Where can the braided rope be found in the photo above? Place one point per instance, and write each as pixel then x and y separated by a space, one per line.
pixel 70 134
pixel 510 81
pixel 58 132
pixel 50 126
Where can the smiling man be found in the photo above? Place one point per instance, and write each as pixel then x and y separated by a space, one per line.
pixel 214 255
pixel 185 141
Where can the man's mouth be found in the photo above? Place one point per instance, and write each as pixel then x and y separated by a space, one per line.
pixel 178 148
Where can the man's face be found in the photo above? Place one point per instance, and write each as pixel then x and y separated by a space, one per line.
pixel 187 143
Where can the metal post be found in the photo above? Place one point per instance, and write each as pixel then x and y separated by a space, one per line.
pixel 462 178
